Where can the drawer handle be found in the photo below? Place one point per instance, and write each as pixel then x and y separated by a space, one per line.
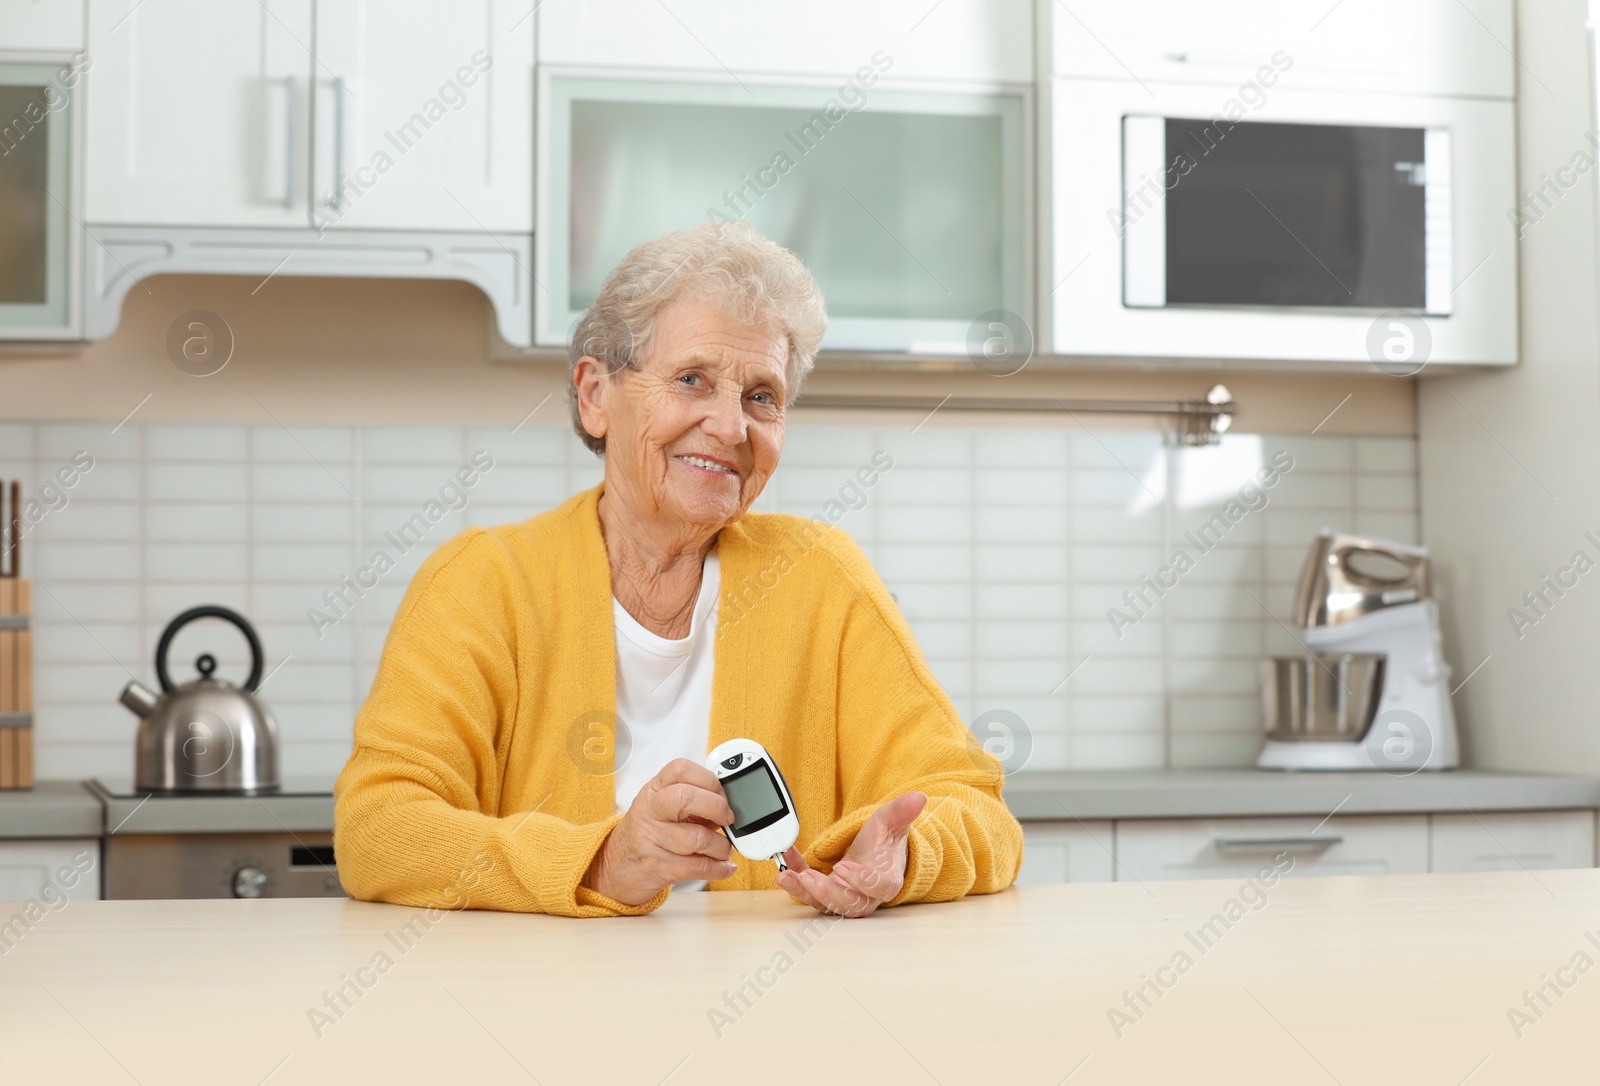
pixel 1286 844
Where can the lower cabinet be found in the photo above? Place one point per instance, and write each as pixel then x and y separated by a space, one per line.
pixel 1226 848
pixel 47 872
pixel 1148 850
pixel 1519 840
pixel 1066 852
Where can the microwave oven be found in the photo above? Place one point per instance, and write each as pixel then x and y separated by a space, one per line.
pixel 1301 226
pixel 1275 214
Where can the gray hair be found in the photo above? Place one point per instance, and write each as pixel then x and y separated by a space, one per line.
pixel 751 278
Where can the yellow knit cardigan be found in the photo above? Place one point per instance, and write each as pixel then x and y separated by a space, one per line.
pixel 482 770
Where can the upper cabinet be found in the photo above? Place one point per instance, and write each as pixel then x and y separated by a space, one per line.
pixel 1315 183
pixel 199 112
pixel 948 41
pixel 281 113
pixel 39 233
pixel 1294 181
pixel 426 121
pixel 908 207
pixel 1447 47
pixel 889 146
pixel 53 26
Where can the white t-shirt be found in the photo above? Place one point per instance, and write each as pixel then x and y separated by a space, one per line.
pixel 664 693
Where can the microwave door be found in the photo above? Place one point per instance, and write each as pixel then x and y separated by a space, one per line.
pixel 1285 216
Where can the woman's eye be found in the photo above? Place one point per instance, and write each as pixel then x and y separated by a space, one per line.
pixel 764 398
pixel 689 378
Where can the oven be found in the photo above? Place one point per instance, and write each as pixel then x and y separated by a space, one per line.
pixel 217 845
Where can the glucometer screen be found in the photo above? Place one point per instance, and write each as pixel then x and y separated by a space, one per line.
pixel 753 794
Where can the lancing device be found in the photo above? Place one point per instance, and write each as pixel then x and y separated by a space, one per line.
pixel 764 821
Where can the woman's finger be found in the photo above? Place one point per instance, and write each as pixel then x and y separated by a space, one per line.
pixel 830 894
pixel 839 897
pixel 682 801
pixel 688 839
pixel 790 881
pixel 880 886
pixel 683 771
pixel 820 892
pixel 858 891
pixel 846 900
pixel 702 867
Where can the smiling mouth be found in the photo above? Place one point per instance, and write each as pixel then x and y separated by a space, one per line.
pixel 704 463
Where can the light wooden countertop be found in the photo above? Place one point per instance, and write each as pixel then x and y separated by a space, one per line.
pixel 1396 979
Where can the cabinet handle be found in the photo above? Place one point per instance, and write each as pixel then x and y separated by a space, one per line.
pixel 269 135
pixel 288 141
pixel 1212 57
pixel 1286 844
pixel 336 201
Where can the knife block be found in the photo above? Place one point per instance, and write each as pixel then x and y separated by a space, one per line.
pixel 16 683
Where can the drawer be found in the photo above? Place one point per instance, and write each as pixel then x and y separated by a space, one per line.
pixel 1217 848
pixel 1510 841
pixel 1065 852
pixel 50 871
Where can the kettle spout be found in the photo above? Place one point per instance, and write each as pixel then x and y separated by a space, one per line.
pixel 137 698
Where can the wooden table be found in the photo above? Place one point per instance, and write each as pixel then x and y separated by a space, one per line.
pixel 1399 979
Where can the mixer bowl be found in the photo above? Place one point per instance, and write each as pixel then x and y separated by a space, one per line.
pixel 1321 696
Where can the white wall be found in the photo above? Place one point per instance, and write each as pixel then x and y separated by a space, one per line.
pixel 1510 461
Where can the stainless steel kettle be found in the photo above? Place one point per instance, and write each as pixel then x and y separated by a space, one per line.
pixel 206 735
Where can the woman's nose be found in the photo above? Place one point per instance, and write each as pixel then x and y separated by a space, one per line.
pixel 725 419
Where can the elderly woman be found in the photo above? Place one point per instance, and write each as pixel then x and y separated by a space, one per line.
pixel 549 691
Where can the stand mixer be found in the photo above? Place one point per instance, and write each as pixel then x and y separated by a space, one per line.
pixel 1374 693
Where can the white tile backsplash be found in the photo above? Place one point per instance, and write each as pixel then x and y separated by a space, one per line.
pixel 1004 548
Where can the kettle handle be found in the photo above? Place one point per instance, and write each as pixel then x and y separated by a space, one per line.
pixel 209 611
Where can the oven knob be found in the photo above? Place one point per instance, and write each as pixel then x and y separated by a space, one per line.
pixel 249 882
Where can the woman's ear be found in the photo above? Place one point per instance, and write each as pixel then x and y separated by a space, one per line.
pixel 589 377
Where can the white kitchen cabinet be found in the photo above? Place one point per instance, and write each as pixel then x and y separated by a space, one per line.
pixel 197 112
pixel 48 25
pixel 1066 851
pixel 1443 47
pixel 424 120
pixel 1162 849
pixel 47 871
pixel 911 207
pixel 40 273
pixel 983 41
pixel 1513 841
pixel 217 113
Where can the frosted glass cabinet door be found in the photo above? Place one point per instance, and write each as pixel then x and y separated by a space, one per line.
pixel 424 115
pixel 36 245
pixel 909 208
pixel 198 112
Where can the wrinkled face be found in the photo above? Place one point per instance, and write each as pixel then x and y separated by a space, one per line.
pixel 695 429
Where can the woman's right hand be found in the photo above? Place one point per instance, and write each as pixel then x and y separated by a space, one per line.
pixel 669 834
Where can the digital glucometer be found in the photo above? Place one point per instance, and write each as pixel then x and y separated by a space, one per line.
pixel 764 819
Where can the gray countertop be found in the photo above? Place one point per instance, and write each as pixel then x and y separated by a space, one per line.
pixel 50 809
pixel 69 809
pixel 78 809
pixel 1050 796
pixel 299 807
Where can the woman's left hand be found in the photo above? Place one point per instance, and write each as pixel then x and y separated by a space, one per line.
pixel 872 871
